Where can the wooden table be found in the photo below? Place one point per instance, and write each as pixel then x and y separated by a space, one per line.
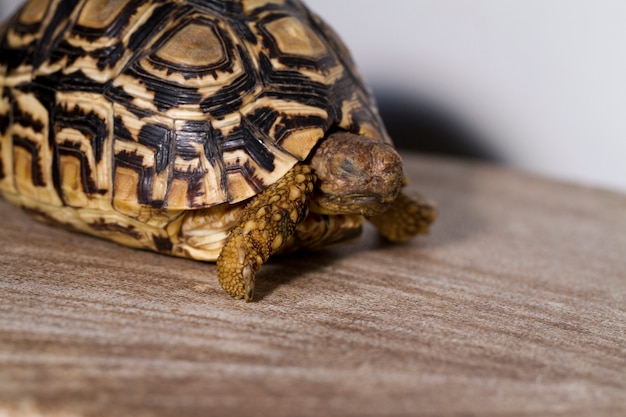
pixel 515 305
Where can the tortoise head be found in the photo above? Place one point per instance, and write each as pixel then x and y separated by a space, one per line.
pixel 356 175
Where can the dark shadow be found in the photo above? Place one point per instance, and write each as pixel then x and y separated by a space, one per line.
pixel 283 269
pixel 419 124
pixel 422 125
pixel 290 267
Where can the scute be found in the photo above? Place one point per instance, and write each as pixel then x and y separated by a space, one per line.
pixel 34 11
pixel 100 14
pixel 293 37
pixel 168 105
pixel 195 45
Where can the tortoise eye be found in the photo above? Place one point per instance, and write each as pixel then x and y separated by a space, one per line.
pixel 348 167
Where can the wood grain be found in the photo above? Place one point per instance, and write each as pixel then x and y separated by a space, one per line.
pixel 515 305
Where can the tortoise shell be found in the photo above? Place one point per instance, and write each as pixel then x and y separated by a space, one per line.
pixel 130 105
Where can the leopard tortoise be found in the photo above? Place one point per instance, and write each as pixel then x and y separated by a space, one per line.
pixel 210 129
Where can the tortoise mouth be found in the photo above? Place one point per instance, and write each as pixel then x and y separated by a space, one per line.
pixel 362 204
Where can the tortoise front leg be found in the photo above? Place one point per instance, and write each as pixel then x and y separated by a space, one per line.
pixel 266 223
pixel 407 217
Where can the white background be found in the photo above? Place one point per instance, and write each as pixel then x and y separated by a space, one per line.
pixel 544 81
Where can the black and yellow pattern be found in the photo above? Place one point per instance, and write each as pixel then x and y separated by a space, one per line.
pixel 181 104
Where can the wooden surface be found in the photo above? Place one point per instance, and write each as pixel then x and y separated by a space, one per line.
pixel 514 306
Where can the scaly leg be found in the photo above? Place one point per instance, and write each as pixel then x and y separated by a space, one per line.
pixel 405 218
pixel 266 223
pixel 320 231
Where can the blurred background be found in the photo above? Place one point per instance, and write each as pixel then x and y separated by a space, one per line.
pixel 536 85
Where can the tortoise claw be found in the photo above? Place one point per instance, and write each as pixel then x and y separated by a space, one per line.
pixel 248 283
